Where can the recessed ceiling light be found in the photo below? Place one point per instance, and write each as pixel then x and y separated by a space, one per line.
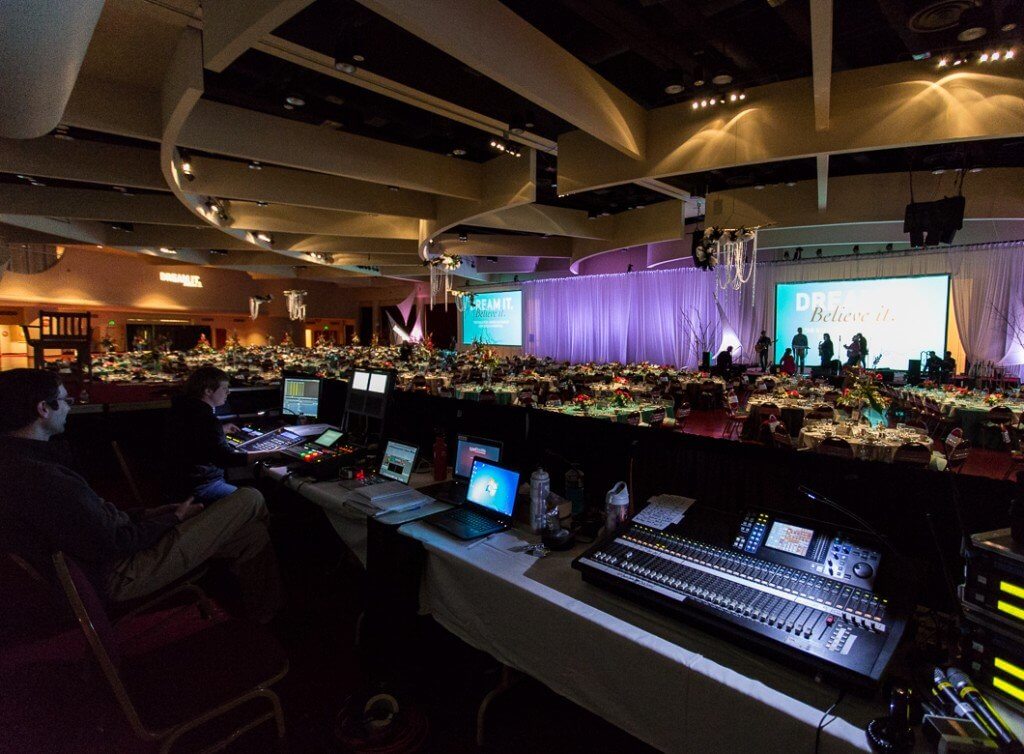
pixel 38 183
pixel 791 184
pixel 255 165
pixel 288 107
pixel 261 204
pixel 759 187
pixel 295 101
pixel 695 104
pixel 976 170
pixel 1008 27
pixel 673 89
pixel 118 188
pixel 698 82
pixel 392 188
pixel 972 33
pixel 458 151
pixel 358 58
pixel 722 79
pixel 167 250
pixel 938 171
pixel 345 67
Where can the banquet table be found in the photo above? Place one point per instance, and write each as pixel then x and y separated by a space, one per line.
pixel 870 444
pixel 503 395
pixel 613 413
pixel 792 411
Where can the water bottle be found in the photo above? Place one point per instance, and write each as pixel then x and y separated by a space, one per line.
pixel 616 508
pixel 540 487
pixel 440 459
pixel 574 489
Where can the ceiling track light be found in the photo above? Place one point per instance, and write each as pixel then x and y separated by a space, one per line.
pixel 264 237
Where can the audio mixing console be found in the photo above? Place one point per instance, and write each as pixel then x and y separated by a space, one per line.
pixel 805 592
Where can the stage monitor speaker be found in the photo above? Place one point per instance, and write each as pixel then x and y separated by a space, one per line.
pixel 914 371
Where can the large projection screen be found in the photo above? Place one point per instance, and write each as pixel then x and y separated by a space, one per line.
pixel 495 319
pixel 899 317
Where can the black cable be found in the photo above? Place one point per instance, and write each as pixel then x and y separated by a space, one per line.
pixel 822 724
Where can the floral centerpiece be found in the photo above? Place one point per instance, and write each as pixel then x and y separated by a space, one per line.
pixel 793 393
pixel 202 345
pixel 583 402
pixel 863 391
pixel 993 399
pixel 622 398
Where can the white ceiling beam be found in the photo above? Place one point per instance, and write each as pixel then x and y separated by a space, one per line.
pixel 821 60
pixel 822 163
pixel 324 64
pixel 653 184
pixel 230 27
pixel 87 204
pixel 490 38
pixel 251 135
pixel 230 179
pixel 85 161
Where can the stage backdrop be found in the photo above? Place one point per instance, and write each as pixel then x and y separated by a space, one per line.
pixel 898 317
pixel 659 316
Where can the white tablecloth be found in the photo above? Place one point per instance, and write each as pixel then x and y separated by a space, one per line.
pixel 676 687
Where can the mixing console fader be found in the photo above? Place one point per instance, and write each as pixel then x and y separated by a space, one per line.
pixel 802 592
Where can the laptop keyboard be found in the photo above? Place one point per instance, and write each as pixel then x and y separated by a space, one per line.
pixel 470 518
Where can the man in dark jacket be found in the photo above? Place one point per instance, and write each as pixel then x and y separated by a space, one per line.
pixel 196 450
pixel 45 506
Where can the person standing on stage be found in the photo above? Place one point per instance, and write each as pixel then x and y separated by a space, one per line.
pixel 826 350
pixel 863 350
pixel 948 367
pixel 800 349
pixel 764 343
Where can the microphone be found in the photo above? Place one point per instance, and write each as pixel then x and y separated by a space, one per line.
pixel 943 689
pixel 812 495
pixel 965 688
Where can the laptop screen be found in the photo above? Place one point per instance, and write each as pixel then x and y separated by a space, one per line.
pixel 493 487
pixel 398 461
pixel 469 448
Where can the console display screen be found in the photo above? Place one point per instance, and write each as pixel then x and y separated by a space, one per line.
pixel 789 538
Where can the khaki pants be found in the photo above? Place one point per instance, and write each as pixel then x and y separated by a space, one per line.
pixel 234 529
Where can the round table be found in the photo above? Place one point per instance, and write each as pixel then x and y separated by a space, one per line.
pixel 871 444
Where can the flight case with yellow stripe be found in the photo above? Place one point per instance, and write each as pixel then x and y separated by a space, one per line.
pixel 993 600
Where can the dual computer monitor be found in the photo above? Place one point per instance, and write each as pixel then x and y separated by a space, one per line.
pixel 313 397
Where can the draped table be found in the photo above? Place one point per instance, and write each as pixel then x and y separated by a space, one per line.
pixel 870 444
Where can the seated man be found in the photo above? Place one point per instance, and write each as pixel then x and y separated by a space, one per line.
pixel 195 449
pixel 45 507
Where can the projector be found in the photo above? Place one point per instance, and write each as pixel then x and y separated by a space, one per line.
pixel 932 223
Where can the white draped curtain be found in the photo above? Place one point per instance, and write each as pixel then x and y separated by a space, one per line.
pixel 638 316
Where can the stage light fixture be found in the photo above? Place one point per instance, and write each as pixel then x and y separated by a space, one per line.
pixel 264 237
pixel 262 204
pixel 168 250
pixel 695 104
pixel 943 62
pixel 713 101
pixel 463 237
pixel 1009 55
pixel 983 58
pixel 732 97
pixel 186 168
pixel 459 152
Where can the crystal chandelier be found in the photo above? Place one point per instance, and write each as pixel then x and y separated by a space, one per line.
pixel 463 299
pixel 731 253
pixel 296 304
pixel 256 301
pixel 442 269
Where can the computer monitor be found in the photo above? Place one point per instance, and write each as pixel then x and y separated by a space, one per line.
pixel 360 380
pixel 467 448
pixel 493 487
pixel 398 462
pixel 378 383
pixel 301 396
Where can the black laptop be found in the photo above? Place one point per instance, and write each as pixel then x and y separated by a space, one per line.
pixel 490 499
pixel 467 449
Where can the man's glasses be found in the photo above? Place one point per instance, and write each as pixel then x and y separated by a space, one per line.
pixel 55 403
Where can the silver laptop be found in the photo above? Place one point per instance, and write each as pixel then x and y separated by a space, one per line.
pixel 396 467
